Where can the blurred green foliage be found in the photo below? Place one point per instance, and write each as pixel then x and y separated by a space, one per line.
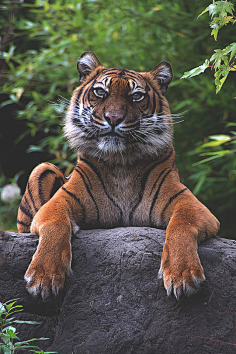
pixel 42 41
pixel 223 60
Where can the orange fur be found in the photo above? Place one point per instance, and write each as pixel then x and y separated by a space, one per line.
pixel 120 124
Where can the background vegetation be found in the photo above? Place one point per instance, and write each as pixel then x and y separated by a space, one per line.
pixel 40 44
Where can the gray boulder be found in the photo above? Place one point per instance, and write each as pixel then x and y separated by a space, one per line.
pixel 114 302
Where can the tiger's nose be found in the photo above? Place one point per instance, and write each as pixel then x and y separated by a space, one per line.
pixel 114 119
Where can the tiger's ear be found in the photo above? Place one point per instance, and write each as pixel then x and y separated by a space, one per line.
pixel 86 64
pixel 162 73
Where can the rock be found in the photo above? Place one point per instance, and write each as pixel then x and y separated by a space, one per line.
pixel 114 302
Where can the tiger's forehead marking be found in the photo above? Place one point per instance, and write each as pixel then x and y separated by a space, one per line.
pixel 129 79
pixel 106 81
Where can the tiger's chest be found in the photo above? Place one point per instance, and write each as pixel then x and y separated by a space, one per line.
pixel 118 197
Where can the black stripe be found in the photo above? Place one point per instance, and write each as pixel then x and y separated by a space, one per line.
pixel 43 175
pixel 32 199
pixel 26 201
pixel 80 168
pixel 131 125
pixel 56 185
pixel 169 202
pixel 116 72
pixel 22 223
pixel 144 180
pixel 145 176
pixel 154 185
pixel 154 103
pixel 25 211
pixel 89 191
pixel 156 195
pixel 96 119
pixel 77 200
pixel 159 97
pixel 78 95
pixel 89 89
pixel 96 171
pixel 160 103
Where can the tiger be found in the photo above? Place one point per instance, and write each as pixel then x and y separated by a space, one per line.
pixel 120 124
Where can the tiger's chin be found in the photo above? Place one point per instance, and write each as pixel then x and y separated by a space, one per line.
pixel 112 144
pixel 114 150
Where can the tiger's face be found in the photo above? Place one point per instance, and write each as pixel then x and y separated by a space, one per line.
pixel 119 114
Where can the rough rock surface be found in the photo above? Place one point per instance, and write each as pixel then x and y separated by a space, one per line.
pixel 115 304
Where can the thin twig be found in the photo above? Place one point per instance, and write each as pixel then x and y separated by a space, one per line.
pixel 219 312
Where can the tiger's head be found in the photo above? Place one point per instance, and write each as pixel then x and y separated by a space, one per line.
pixel 119 114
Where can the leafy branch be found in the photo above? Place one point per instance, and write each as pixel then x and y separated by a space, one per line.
pixel 223 60
pixel 9 342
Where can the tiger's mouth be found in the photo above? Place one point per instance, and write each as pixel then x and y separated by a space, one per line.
pixel 117 137
pixel 112 134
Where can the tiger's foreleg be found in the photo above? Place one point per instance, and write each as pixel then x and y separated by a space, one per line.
pixel 190 222
pixel 54 223
pixel 43 182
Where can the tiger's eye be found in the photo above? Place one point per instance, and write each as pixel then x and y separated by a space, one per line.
pixel 137 96
pixel 99 92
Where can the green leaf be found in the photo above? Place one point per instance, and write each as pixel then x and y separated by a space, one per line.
pixel 9 320
pixel 6 350
pixel 212 9
pixel 11 331
pixel 233 51
pixel 204 11
pixel 199 185
pixel 221 8
pixel 27 322
pixel 34 148
pixel 220 84
pixel 196 71
pixel 220 137
pixel 215 30
pixel 5 103
pixel 221 152
pixel 10 53
pixel 207 160
pixel 29 341
pixel 217 58
pixel 225 70
pixel 213 143
pixel 10 305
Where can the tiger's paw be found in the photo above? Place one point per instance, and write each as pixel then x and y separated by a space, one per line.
pixel 181 275
pixel 46 273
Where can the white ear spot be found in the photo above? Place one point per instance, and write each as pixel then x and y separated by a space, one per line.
pixel 164 71
pixel 89 61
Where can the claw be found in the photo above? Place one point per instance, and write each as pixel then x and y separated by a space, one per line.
pixel 197 282
pixel 45 294
pixel 188 290
pixel 160 274
pixel 34 290
pixel 28 279
pixel 55 290
pixel 169 288
pixel 177 293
